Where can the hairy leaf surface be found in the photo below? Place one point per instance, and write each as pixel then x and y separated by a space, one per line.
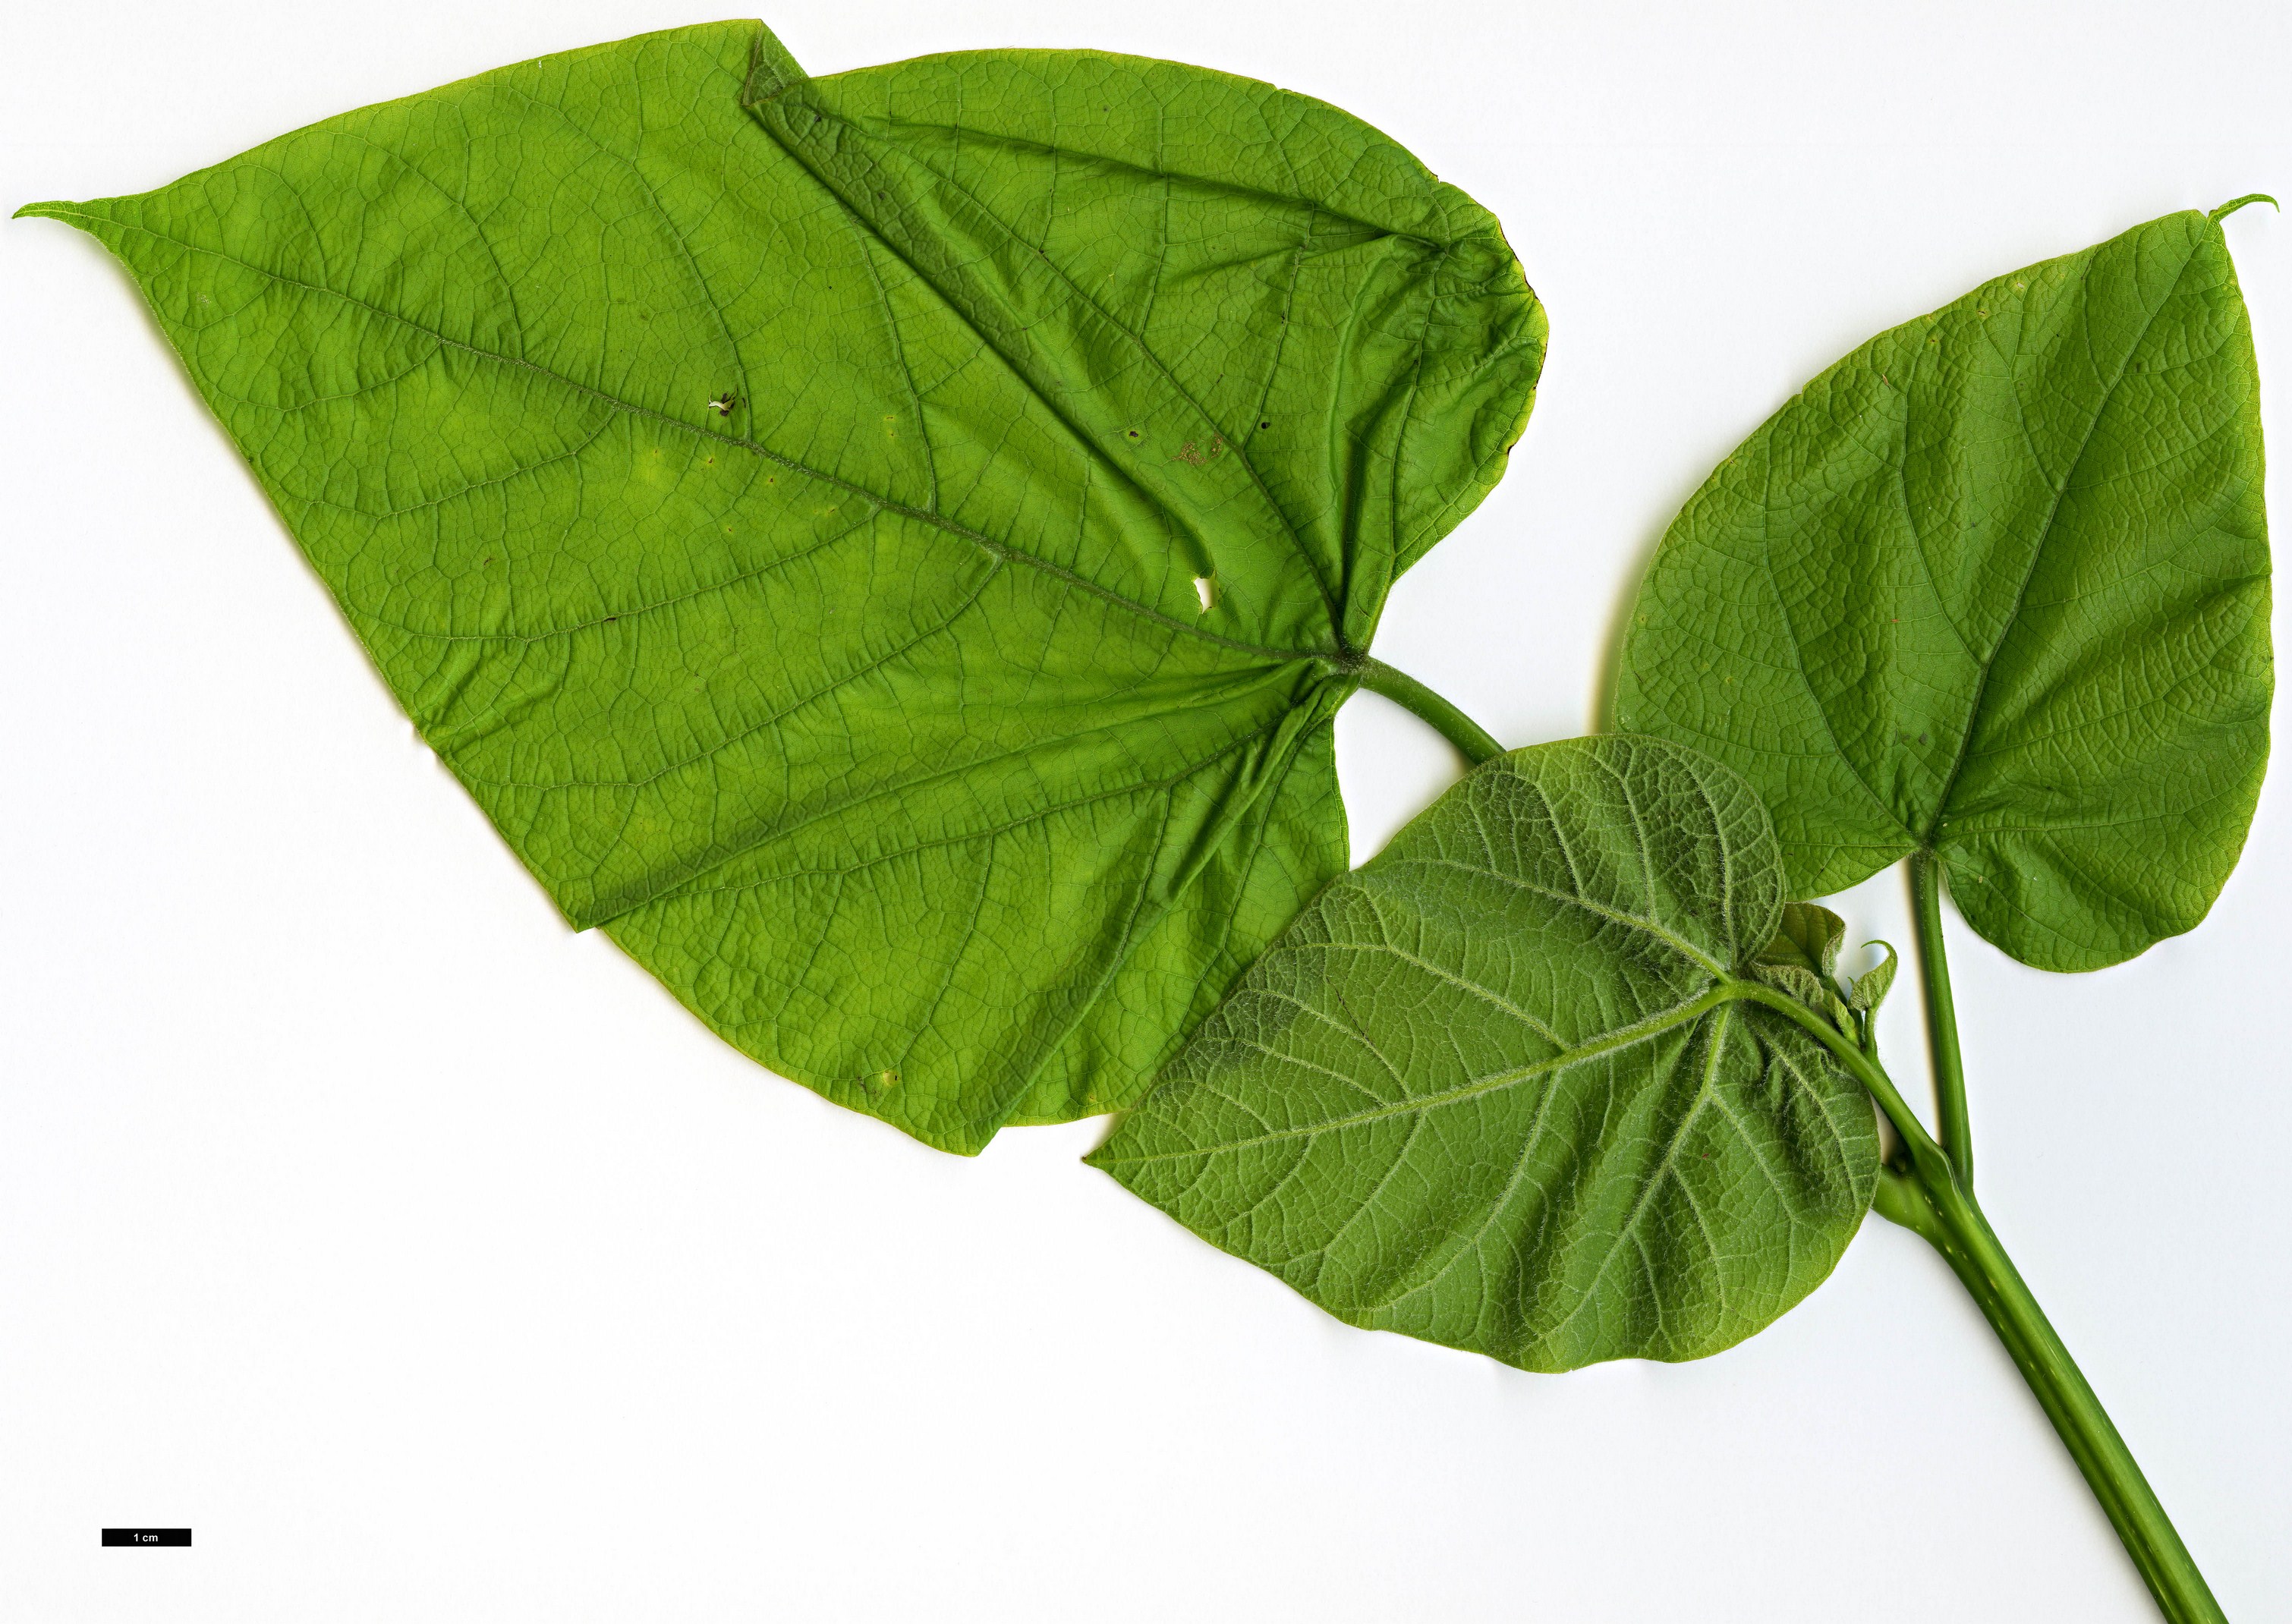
pixel 1996 585
pixel 1497 1088
pixel 1808 938
pixel 887 548
pixel 1801 958
pixel 1870 988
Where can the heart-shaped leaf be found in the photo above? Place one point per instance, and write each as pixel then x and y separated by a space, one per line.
pixel 1499 1087
pixel 887 548
pixel 1995 586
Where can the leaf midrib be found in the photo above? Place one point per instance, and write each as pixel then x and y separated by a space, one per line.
pixel 1329 591
pixel 1726 991
pixel 992 544
pixel 1932 837
pixel 784 832
pixel 1371 230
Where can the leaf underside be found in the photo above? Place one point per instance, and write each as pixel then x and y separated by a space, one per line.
pixel 1807 937
pixel 1492 1090
pixel 1996 585
pixel 887 548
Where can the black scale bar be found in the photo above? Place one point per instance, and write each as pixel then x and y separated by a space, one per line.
pixel 146 1536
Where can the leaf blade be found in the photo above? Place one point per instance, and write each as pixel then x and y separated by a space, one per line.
pixel 1997 583
pixel 853 671
pixel 1870 988
pixel 1489 1090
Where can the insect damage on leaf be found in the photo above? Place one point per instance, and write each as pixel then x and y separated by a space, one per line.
pixel 854 656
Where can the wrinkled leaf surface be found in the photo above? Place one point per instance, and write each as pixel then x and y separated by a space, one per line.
pixel 1997 585
pixel 886 548
pixel 1870 988
pixel 1808 938
pixel 1491 1089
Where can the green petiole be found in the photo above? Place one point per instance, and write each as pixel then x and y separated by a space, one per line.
pixel 1470 737
pixel 1955 1132
pixel 1925 1194
pixel 1931 1191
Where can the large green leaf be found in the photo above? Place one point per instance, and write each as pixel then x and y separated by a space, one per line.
pixel 888 547
pixel 1499 1087
pixel 1997 585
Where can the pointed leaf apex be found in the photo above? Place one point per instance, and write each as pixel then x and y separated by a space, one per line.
pixel 2234 204
pixel 715 826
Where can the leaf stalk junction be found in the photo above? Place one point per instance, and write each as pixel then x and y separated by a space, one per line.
pixel 1927 1187
pixel 1921 1191
pixel 1473 741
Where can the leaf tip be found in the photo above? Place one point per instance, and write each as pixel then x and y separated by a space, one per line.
pixel 42 211
pixel 2234 204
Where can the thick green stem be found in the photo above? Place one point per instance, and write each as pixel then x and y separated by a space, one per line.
pixel 1953 1224
pixel 1451 723
pixel 1955 1132
pixel 1924 1195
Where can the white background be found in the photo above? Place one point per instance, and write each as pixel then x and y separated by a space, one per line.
pixel 432 1264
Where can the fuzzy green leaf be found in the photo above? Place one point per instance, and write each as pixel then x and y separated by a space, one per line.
pixel 1808 938
pixel 887 548
pixel 1997 585
pixel 1870 988
pixel 1819 993
pixel 1499 1089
